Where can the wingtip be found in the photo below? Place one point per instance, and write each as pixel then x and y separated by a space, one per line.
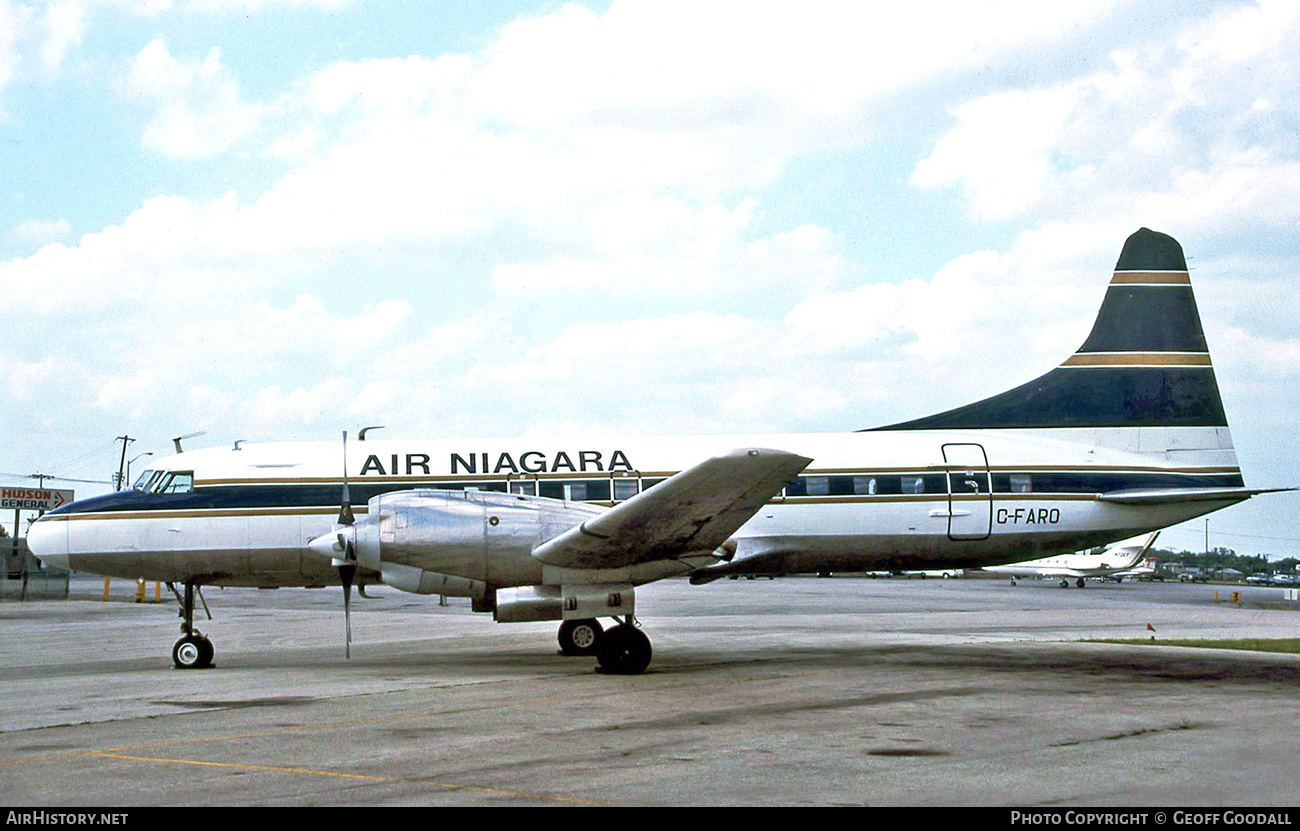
pixel 769 453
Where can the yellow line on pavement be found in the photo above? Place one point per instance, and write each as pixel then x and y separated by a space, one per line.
pixel 448 786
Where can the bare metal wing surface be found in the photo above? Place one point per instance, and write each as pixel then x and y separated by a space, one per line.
pixel 695 511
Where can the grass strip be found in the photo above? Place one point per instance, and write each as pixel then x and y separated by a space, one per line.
pixel 1286 645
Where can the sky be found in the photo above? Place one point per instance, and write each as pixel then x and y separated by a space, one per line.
pixel 280 219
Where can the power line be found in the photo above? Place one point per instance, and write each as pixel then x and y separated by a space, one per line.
pixel 1232 535
pixel 91 456
pixel 56 478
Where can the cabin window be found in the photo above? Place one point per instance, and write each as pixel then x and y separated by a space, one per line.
pixel 1020 483
pixel 864 485
pixel 817 485
pixel 624 489
pixel 589 491
pixel 525 487
pixel 913 484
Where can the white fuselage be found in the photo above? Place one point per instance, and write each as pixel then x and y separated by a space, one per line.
pixel 872 500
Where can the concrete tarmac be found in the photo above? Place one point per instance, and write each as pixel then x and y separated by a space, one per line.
pixel 798 691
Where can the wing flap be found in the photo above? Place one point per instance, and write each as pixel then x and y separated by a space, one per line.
pixel 694 511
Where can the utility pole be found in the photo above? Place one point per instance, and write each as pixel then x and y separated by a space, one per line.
pixel 125 482
pixel 121 466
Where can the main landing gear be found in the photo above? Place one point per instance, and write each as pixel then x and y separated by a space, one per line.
pixel 193 650
pixel 621 650
pixel 580 637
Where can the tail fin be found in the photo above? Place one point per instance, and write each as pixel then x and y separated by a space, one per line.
pixel 1145 364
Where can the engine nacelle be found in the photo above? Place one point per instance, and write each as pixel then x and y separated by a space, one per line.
pixel 419 581
pixel 481 537
pixel 524 604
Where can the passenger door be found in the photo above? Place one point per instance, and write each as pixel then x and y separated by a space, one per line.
pixel 970 497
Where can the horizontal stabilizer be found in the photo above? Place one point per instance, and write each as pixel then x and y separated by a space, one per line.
pixel 1165 495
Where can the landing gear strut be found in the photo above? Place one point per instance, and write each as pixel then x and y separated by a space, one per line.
pixel 193 650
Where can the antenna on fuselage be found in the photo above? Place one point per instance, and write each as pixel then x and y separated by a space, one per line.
pixel 177 441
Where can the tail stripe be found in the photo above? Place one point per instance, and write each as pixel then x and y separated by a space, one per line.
pixel 1151 278
pixel 1132 359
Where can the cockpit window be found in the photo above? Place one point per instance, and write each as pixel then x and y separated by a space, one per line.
pixel 181 482
pixel 146 479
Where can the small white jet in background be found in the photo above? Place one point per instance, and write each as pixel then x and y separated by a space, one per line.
pixel 1117 560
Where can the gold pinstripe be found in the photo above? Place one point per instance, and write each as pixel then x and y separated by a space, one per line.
pixel 1138 359
pixel 1151 278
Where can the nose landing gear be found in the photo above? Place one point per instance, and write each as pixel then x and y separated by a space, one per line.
pixel 193 650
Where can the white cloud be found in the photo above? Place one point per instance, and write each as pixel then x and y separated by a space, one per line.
pixel 227 7
pixel 199 109
pixel 1180 122
pixel 65 23
pixel 1001 151
pixel 37 232
pixel 328 399
pixel 15 20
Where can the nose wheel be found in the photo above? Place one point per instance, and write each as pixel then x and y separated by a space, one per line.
pixel 193 652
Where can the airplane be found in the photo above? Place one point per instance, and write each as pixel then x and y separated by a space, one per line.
pixel 1144 569
pixel 1117 560
pixel 1126 436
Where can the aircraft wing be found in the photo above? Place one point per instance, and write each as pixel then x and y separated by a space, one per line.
pixel 694 511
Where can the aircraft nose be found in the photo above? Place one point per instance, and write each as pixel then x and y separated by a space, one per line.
pixel 48 540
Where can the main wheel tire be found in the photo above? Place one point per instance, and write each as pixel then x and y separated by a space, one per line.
pixel 623 650
pixel 580 637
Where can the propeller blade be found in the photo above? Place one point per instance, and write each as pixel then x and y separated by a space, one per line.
pixel 346 573
pixel 345 512
pixel 348 567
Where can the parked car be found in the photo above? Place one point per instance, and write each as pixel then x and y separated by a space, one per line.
pixel 1257 580
pixel 1193 578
